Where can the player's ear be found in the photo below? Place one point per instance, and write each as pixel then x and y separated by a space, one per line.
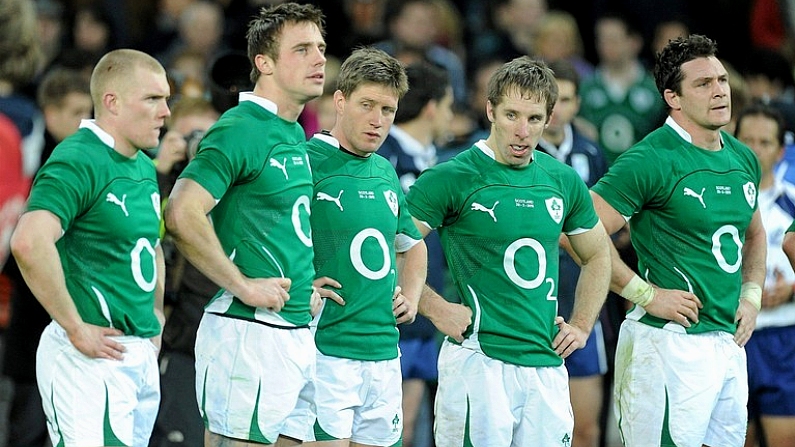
pixel 490 111
pixel 672 99
pixel 264 64
pixel 339 102
pixel 110 102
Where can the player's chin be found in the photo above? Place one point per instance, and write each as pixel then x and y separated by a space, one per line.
pixel 721 116
pixel 314 90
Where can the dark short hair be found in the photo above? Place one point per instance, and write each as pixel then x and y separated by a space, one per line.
pixel 630 26
pixel 565 71
pixel 427 82
pixel 265 29
pixel 766 111
pixel 668 68
pixel 58 83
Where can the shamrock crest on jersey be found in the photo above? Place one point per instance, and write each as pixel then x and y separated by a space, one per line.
pixel 555 208
pixel 392 201
pixel 750 194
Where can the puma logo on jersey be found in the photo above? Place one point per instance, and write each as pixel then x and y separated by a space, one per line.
pixel 478 207
pixel 690 193
pixel 283 166
pixel 115 200
pixel 328 198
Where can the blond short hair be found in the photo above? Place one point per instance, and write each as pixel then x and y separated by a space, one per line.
pixel 117 69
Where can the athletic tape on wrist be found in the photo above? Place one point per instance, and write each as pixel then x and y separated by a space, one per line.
pixel 638 291
pixel 752 292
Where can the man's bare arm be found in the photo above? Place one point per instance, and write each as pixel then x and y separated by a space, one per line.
pixel 187 222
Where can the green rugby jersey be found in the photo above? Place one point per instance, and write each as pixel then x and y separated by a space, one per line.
pixel 623 118
pixel 253 163
pixel 499 228
pixel 689 210
pixel 109 208
pixel 359 220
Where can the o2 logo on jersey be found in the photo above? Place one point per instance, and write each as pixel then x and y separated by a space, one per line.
pixel 301 203
pixel 509 265
pixel 141 246
pixel 717 248
pixel 356 254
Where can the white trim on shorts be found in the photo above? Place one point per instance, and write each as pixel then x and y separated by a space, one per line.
pixel 359 400
pixel 254 381
pixel 78 392
pixel 487 396
pixel 698 383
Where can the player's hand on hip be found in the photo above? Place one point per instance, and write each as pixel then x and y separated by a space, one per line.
pixel 746 322
pixel 270 293
pixel 319 292
pixel 569 339
pixel 96 342
pixel 404 310
pixel 675 305
pixel 454 321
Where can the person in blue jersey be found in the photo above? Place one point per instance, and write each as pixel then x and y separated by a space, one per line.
pixel 89 249
pixel 500 208
pixel 771 359
pixel 240 214
pixel 690 195
pixel 365 238
pixel 586 366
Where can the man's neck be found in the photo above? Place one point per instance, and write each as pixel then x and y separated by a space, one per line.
pixel 289 109
pixel 708 139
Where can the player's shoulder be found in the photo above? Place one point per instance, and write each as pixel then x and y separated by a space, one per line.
pixel 462 169
pixel 737 146
pixel 82 149
pixel 322 150
pixel 661 143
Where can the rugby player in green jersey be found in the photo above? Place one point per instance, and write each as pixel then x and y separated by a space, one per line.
pixel 364 237
pixel 240 213
pixel 89 249
pixel 500 208
pixel 689 192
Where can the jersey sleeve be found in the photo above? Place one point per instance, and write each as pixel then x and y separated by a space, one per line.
pixel 219 163
pixel 407 235
pixel 582 216
pixel 431 198
pixel 632 182
pixel 64 187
